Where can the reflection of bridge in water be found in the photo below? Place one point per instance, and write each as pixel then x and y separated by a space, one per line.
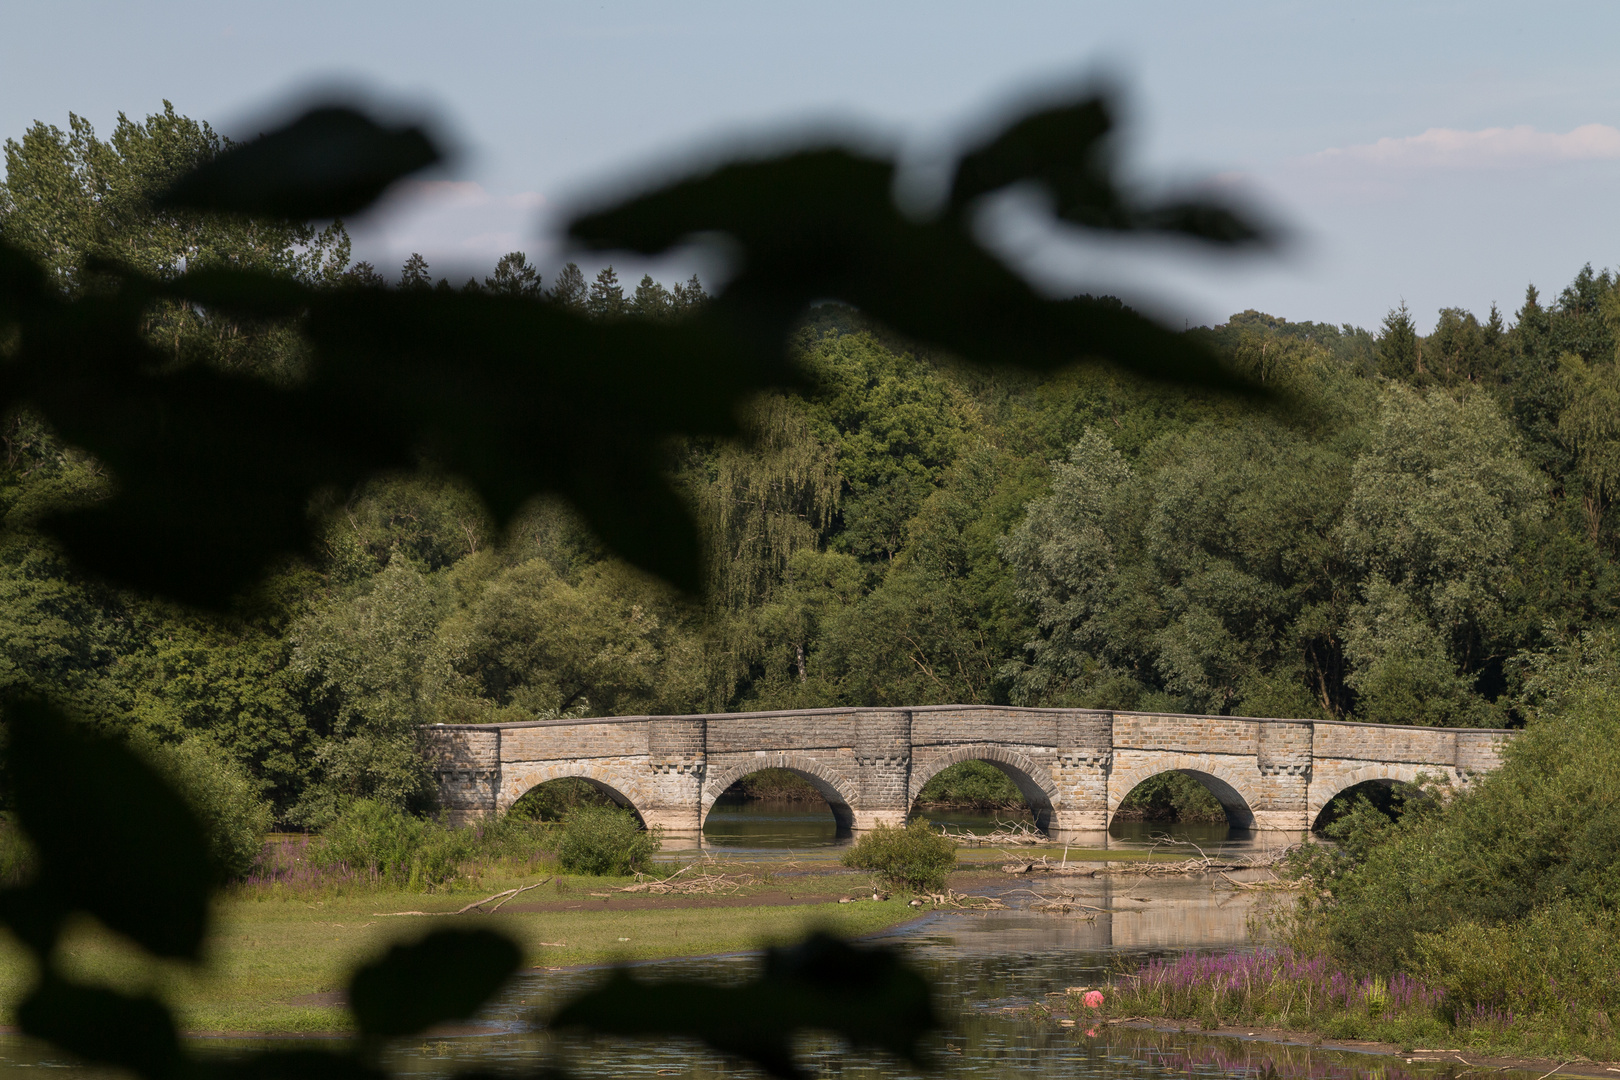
pixel 1122 913
pixel 1074 766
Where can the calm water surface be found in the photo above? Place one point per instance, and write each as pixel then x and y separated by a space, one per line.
pixel 986 967
pixel 739 826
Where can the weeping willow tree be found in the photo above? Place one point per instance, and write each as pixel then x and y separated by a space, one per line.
pixel 767 502
pixel 763 504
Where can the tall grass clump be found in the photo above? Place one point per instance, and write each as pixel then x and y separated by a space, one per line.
pixel 370 847
pixel 373 843
pixel 605 842
pixel 912 856
pixel 1284 988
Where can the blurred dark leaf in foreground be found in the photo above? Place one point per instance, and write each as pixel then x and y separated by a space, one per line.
pixel 446 976
pixel 103 1026
pixel 330 162
pixel 868 996
pixel 294 1065
pixel 215 473
pixel 91 808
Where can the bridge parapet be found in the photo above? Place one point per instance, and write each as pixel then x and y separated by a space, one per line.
pixel 1074 766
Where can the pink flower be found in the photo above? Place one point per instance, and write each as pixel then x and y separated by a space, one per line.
pixel 1092 1034
pixel 1093 999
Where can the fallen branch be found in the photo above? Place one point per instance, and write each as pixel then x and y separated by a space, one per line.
pixel 502 896
pixel 1060 904
pixel 1044 865
pixel 509 894
pixel 1274 885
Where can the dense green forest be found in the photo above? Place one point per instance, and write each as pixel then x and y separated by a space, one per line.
pixel 1425 520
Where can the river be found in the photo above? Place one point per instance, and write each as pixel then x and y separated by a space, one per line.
pixel 986 967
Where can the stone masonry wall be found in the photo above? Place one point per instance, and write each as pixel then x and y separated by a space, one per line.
pixel 466 764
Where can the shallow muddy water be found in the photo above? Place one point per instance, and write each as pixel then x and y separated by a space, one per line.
pixel 987 968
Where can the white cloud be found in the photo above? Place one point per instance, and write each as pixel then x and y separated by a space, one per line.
pixel 492 243
pixel 440 193
pixel 1449 148
pixel 526 200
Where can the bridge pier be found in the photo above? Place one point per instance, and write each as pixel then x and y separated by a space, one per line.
pixel 677 759
pixel 1073 766
pixel 883 763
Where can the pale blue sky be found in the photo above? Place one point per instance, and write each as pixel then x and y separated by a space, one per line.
pixel 1289 101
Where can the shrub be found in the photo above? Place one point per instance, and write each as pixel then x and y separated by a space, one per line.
pixel 1557 961
pixel 1543 829
pixel 605 841
pixel 911 857
pixel 391 846
pixel 224 797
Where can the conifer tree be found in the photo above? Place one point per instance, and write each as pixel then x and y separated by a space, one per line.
pixel 1398 346
pixel 651 299
pixel 514 276
pixel 689 295
pixel 364 274
pixel 607 295
pixel 414 274
pixel 569 289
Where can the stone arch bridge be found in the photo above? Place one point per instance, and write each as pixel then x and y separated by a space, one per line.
pixel 1074 766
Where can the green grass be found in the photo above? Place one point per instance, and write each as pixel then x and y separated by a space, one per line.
pixel 1284 989
pixel 267 952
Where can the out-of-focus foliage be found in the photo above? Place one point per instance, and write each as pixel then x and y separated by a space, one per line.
pixel 973 511
pixel 164 313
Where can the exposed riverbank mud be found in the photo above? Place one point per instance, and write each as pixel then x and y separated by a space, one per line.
pixel 1463 1061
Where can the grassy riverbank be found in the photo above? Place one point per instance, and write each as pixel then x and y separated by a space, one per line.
pixel 278 962
pixel 1286 990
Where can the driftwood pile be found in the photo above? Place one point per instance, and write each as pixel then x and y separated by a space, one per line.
pixel 950 898
pixel 1005 834
pixel 705 884
pixel 1061 904
pixel 1202 864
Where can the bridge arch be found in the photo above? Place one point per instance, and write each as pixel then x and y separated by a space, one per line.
pixel 1033 779
pixel 1329 784
pixel 1222 779
pixel 621 788
pixel 837 789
